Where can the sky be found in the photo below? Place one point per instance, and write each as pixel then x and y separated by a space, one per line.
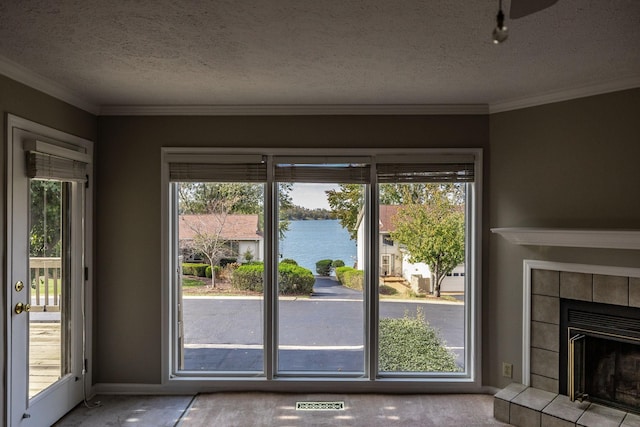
pixel 311 196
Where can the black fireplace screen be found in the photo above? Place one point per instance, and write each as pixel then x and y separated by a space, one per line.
pixel 600 355
pixel 604 368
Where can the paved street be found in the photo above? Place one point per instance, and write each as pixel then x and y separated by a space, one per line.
pixel 324 332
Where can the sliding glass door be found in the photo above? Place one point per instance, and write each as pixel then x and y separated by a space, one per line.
pixel 309 266
pixel 320 321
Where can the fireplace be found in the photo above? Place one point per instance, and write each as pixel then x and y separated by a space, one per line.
pixel 600 353
pixel 550 289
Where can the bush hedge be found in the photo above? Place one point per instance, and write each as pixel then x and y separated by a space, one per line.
pixel 353 279
pixel 292 279
pixel 340 273
pixel 337 263
pixel 194 269
pixel 289 261
pixel 248 277
pixel 410 344
pixel 208 272
pixel 323 267
pixel 295 280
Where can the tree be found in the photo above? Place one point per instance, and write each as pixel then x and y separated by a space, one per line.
pixel 346 204
pixel 433 231
pixel 45 238
pixel 208 237
pixel 348 200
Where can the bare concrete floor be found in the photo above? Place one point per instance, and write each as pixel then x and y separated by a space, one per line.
pixel 279 409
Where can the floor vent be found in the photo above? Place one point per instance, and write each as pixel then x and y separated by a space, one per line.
pixel 319 406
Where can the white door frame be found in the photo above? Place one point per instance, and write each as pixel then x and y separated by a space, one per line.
pixel 52 403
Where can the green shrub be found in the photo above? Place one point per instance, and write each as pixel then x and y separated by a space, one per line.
pixel 340 273
pixel 295 280
pixel 323 267
pixel 387 290
pixel 410 344
pixel 337 263
pixel 292 279
pixel 194 269
pixel 289 261
pixel 208 271
pixel 248 277
pixel 353 279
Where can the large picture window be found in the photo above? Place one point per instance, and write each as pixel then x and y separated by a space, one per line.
pixel 349 267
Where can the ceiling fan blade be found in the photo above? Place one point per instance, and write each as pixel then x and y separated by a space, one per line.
pixel 520 8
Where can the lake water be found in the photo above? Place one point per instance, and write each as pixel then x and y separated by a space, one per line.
pixel 310 241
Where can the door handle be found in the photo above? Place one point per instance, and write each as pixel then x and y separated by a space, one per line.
pixel 20 307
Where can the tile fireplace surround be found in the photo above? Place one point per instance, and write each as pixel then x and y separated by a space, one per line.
pixel 537 402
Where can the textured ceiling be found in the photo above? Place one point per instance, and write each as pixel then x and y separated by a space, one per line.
pixel 317 52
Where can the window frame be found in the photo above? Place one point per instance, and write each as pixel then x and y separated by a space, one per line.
pixel 469 381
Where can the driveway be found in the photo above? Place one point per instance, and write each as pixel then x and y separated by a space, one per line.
pixel 321 333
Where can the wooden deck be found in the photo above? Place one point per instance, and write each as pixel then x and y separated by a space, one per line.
pixel 44 355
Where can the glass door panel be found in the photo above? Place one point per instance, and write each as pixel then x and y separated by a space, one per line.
pixel 221 283
pixel 49 260
pixel 320 281
pixel 422 233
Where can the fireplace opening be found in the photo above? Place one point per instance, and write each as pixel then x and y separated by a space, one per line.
pixel 600 354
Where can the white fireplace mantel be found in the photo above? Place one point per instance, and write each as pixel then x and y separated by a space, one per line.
pixel 571 237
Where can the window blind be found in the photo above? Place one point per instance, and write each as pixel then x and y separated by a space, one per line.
pixel 218 172
pixel 199 167
pixel 44 165
pixel 341 174
pixel 425 172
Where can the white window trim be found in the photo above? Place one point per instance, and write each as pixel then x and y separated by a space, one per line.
pixel 471 382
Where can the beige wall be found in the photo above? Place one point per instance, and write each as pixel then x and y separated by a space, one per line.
pixel 569 164
pixel 30 104
pixel 128 206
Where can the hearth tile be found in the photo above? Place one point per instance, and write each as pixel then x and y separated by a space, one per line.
pixel 545 282
pixel 545 363
pixel 534 398
pixel 634 291
pixel 549 421
pixel 631 420
pixel 510 392
pixel 576 286
pixel 600 416
pixel 545 335
pixel 611 289
pixel 544 383
pixel 524 417
pixel 501 410
pixel 545 309
pixel 565 409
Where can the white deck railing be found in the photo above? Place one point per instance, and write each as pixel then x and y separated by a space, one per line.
pixel 46 283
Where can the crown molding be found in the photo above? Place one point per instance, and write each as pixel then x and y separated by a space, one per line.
pixel 295 110
pixel 574 238
pixel 27 77
pixel 565 95
pixel 36 81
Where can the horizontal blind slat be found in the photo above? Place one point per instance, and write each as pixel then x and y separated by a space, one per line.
pixel 348 174
pixel 220 172
pixel 46 166
pixel 425 172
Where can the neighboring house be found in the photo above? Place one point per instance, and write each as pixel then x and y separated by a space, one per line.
pixel 241 233
pixel 394 259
